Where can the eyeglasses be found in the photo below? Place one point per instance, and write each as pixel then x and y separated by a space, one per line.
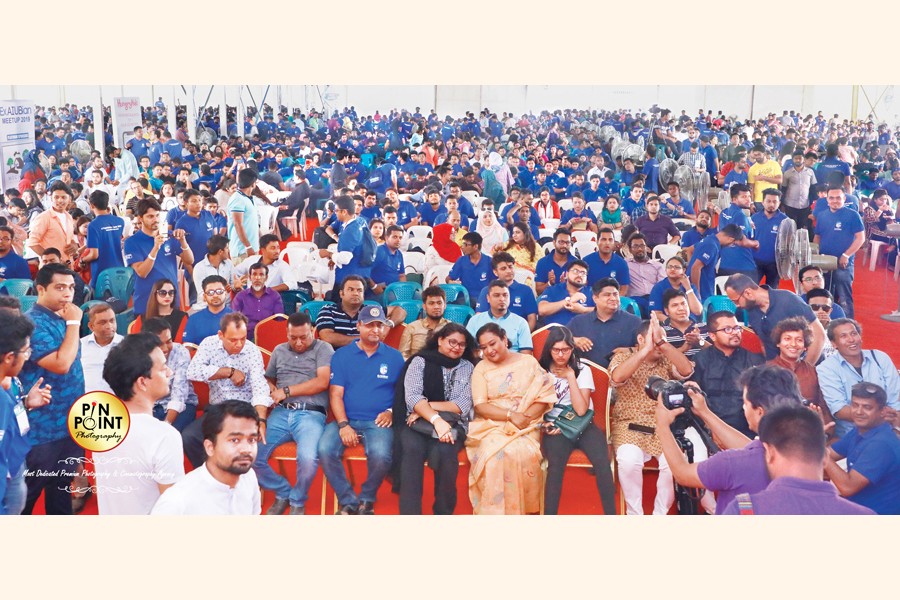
pixel 561 351
pixel 577 272
pixel 216 292
pixel 813 278
pixel 26 352
pixel 455 344
pixel 729 330
pixel 826 307
pixel 165 293
pixel 674 267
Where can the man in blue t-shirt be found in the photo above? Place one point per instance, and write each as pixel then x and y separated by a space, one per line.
pixel 139 145
pixel 206 322
pixel 550 269
pixel 840 233
pixel 702 267
pixel 197 224
pixel 348 257
pixel 766 224
pixel 472 269
pixel 605 262
pixel 521 298
pixel 738 258
pixel 571 297
pixel 872 449
pixel 699 231
pixel 12 266
pixel 153 255
pixel 104 237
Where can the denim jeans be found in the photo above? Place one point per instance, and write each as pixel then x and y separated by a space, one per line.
pixel 840 282
pixel 305 428
pixel 13 501
pixel 184 418
pixel 378 443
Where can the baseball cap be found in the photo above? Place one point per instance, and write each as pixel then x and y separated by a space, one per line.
pixel 371 313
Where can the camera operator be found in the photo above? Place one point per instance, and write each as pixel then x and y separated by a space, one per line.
pixel 633 432
pixel 741 467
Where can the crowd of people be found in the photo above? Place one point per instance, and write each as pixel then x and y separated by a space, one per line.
pixel 531 222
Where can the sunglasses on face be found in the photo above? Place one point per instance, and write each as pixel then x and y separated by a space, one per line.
pixel 165 293
pixel 825 307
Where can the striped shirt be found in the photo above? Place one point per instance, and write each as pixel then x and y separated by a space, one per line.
pixel 676 337
pixel 333 317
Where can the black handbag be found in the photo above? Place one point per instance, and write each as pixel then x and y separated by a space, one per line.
pixel 422 426
pixel 570 424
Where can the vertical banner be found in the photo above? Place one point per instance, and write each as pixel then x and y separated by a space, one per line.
pixel 16 138
pixel 126 115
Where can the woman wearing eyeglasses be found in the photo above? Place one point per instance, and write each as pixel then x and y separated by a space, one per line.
pixel 574 383
pixel 436 398
pixel 161 304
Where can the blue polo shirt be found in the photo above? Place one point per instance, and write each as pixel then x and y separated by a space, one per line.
pixel 876 456
pixel 659 288
pixel 406 212
pixel 13 266
pixel 105 234
pixel 521 300
pixel 137 249
pixel 430 215
pixel 387 267
pixel 48 423
pixel 782 305
pixel 202 324
pixel 821 204
pixel 139 147
pixel 616 268
pixel 707 252
pixel 13 445
pixel 472 276
pixel 197 231
pixel 370 212
pixel 368 381
pixel 515 327
pixel 766 234
pixel 558 292
pixel 571 214
pixel 173 216
pixel 692 236
pixel 836 231
pixel 547 264
pixel 736 257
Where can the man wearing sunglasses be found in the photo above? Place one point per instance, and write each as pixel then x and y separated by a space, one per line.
pixel 717 369
pixel 205 323
pixel 813 278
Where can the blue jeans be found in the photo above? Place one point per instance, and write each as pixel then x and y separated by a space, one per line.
pixel 305 428
pixel 377 441
pixel 184 418
pixel 14 500
pixel 840 282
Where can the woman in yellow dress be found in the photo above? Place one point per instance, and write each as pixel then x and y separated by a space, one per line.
pixel 510 393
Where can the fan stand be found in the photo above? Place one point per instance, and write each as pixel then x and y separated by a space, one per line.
pixel 893 317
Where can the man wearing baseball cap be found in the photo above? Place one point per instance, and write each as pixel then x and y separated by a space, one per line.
pixel 363 375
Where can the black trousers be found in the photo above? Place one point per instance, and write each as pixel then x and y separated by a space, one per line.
pixel 800 216
pixel 442 458
pixel 192 439
pixel 558 448
pixel 770 271
pixel 50 458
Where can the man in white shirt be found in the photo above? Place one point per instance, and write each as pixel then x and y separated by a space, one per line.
pixel 131 476
pixel 96 345
pixel 280 278
pixel 216 262
pixel 225 483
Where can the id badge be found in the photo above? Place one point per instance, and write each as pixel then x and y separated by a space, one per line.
pixel 22 418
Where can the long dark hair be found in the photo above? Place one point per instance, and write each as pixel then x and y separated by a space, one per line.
pixel 529 239
pixel 446 331
pixel 556 335
pixel 153 304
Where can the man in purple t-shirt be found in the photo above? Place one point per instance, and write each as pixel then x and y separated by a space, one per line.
pixel 741 466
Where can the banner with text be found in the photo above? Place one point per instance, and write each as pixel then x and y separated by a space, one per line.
pixel 126 115
pixel 16 137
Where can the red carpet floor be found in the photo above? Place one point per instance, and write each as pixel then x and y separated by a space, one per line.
pixel 875 293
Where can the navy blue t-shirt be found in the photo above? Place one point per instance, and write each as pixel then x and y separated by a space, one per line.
pixel 707 252
pixel 766 234
pixel 736 257
pixel 197 231
pixel 547 264
pixel 616 268
pixel 521 300
pixel 105 234
pixel 472 276
pixel 368 381
pixel 137 249
pixel 13 266
pixel 558 292
pixel 387 267
pixel 836 231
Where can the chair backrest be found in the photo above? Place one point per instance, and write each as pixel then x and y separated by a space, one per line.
pixel 601 397
pixel 18 287
pixel 271 331
pixel 551 224
pixel 548 248
pixel 394 335
pixel 585 248
pixel 119 281
pixel 471 195
pixel 402 290
pixel 718 303
pixel 436 275
pixel 313 308
pixel 629 305
pixel 584 236
pixel 720 284
pixel 564 204
pixel 419 242
pixel 458 313
pixel 595 207
pixel 420 231
pixel 539 336
pixel 456 293
pixel 414 262
pixel 664 252
pixel 292 299
pixel 751 342
pixel 413 309
pixel 124 319
pixel 524 276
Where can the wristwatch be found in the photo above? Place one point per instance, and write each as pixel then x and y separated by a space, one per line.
pixel 287 391
pixel 342 424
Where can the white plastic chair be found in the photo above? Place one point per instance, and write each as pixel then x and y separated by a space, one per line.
pixel 565 204
pixel 524 276
pixel 663 252
pixel 551 224
pixel 414 261
pixel 595 207
pixel 472 196
pixel 436 275
pixel 420 231
pixel 584 236
pixel 419 242
pixel 720 285
pixel 585 248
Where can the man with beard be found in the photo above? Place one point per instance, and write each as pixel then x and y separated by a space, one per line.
pixel 657 227
pixel 766 224
pixel 699 231
pixel 738 257
pixel 797 183
pixel 225 484
pixel 561 302
pixel 606 263
pixel 549 270
pixel 643 273
pixel 258 302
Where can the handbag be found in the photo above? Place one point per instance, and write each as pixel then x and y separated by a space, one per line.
pixel 570 424
pixel 422 426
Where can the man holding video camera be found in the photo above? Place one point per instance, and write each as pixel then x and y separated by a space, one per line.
pixel 741 467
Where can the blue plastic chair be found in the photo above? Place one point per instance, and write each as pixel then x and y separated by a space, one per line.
pixel 313 307
pixel 124 319
pixel 292 299
pixel 18 287
pixel 718 303
pixel 401 291
pixel 413 309
pixel 630 305
pixel 456 292
pixel 367 159
pixel 27 302
pixel 458 313
pixel 119 281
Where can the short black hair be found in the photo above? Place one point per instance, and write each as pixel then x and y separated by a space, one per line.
pixel 795 432
pixel 213 279
pixel 869 391
pixel 45 274
pixel 604 282
pixel 299 319
pixel 156 325
pixel 99 200
pixel 215 414
pixel 714 317
pixel 128 361
pixel 769 386
pixel 17 329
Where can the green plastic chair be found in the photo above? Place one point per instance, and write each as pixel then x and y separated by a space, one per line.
pixel 718 303
pixel 118 281
pixel 18 287
pixel 400 291
pixel 630 305
pixel 313 307
pixel 456 292
pixel 413 309
pixel 458 313
pixel 27 302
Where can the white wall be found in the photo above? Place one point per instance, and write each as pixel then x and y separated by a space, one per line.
pixel 458 99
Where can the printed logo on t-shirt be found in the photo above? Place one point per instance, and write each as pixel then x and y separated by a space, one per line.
pixel 837 226
pixel 382 371
pixel 612 274
pixel 483 276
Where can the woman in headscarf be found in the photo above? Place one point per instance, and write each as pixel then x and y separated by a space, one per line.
pixel 444 250
pixel 492 188
pixel 493 234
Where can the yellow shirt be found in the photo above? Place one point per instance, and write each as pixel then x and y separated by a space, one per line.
pixel 769 169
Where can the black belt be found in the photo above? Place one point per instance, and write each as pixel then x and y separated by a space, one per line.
pixel 303 406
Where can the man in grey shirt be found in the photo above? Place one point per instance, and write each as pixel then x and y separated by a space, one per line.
pixel 797 182
pixel 298 374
